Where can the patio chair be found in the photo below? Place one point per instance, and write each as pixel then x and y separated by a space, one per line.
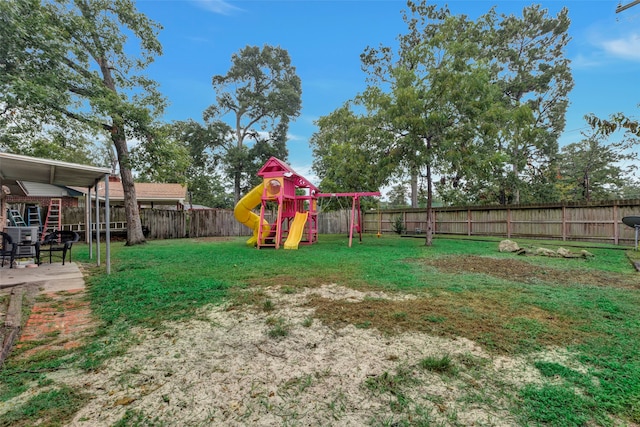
pixel 8 249
pixel 59 241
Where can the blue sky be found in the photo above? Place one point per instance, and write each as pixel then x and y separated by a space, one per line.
pixel 325 38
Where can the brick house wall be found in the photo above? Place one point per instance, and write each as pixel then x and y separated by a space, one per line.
pixel 19 203
pixel 67 202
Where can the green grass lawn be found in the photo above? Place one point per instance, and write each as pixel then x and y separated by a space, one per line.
pixel 509 305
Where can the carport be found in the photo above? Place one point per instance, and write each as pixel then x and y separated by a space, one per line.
pixel 15 168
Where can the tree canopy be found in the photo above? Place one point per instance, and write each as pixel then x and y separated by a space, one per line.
pixel 439 92
pixel 260 94
pixel 600 166
pixel 205 182
pixel 478 104
pixel 67 64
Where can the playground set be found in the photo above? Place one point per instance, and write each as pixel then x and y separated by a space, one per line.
pixel 297 214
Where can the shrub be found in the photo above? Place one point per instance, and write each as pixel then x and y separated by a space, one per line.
pixel 398 225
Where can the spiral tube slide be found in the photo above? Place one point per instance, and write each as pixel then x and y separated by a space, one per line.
pixel 244 215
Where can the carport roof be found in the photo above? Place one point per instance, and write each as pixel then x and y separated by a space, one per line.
pixel 15 167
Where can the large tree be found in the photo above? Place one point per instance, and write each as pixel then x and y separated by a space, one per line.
pixel 69 63
pixel 595 169
pixel 259 96
pixel 517 143
pixel 601 165
pixel 432 97
pixel 206 185
pixel 345 154
pixel 535 77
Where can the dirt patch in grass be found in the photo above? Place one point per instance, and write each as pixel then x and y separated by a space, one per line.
pixel 227 367
pixel 487 319
pixel 524 272
pixel 295 281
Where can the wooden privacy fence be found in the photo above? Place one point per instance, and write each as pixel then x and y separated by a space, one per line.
pixel 170 224
pixel 162 224
pixel 596 222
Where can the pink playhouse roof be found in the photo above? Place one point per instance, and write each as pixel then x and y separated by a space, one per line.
pixel 276 167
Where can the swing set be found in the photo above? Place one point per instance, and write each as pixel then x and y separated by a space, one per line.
pixel 297 214
pixel 355 210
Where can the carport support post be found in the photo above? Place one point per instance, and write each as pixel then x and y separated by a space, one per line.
pixel 97 228
pixel 87 222
pixel 107 219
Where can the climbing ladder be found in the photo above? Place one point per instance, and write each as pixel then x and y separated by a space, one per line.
pixel 16 218
pixel 53 222
pixel 33 217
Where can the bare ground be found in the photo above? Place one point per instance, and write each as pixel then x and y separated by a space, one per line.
pixel 522 271
pixel 330 355
pixel 224 368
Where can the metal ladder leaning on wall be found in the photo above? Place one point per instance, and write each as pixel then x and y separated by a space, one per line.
pixel 53 222
pixel 33 217
pixel 16 218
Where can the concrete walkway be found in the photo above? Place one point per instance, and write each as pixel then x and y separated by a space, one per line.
pixel 60 318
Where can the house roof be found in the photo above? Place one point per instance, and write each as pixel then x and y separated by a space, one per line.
pixel 148 192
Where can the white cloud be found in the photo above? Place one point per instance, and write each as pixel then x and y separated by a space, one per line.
pixel 581 61
pixel 197 39
pixel 626 47
pixel 295 137
pixel 221 7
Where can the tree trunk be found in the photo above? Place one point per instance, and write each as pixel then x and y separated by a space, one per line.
pixel 236 186
pixel 429 237
pixel 414 188
pixel 516 189
pixel 134 224
pixel 237 175
pixel 585 187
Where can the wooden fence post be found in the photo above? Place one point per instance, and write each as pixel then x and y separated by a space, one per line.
pixel 564 223
pixel 616 227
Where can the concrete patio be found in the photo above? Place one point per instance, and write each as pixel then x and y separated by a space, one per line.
pixel 53 277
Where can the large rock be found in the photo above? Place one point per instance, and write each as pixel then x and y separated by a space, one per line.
pixel 508 246
pixel 546 252
pixel 586 254
pixel 566 253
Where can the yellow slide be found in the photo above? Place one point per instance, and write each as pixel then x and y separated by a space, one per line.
pixel 244 215
pixel 295 230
